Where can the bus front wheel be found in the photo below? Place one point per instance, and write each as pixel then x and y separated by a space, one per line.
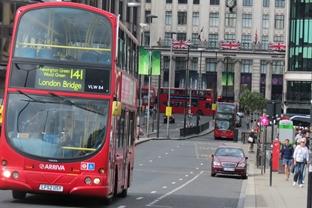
pixel 18 195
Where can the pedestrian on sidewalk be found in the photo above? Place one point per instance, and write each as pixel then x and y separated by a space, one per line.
pixel 287 152
pixel 301 157
pixel 252 140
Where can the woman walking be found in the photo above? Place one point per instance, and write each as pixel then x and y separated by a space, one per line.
pixel 301 157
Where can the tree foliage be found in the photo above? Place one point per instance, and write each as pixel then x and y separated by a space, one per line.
pixel 251 101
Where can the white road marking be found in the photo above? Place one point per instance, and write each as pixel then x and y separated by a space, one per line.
pixel 153 192
pixel 122 206
pixel 197 168
pixel 159 157
pixel 141 164
pixel 201 163
pixel 196 151
pixel 174 190
pixel 180 179
pixel 139 198
pixel 173 182
pixel 150 161
pixel 166 153
pixel 186 175
pixel 191 172
pixel 171 150
pixel 164 187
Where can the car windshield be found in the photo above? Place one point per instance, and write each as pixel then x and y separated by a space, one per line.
pixel 231 152
pixel 55 127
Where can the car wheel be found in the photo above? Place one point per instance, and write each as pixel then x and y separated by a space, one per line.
pixel 19 195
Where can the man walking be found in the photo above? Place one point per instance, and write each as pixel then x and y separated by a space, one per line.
pixel 301 156
pixel 286 155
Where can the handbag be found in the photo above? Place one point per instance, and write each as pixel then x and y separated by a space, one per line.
pixel 250 139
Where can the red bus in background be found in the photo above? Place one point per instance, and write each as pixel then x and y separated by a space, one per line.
pixel 225 120
pixel 153 96
pixel 69 113
pixel 201 100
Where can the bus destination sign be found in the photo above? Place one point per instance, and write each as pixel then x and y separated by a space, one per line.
pixel 60 79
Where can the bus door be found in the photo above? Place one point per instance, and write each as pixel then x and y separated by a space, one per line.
pixel 125 148
pixel 120 150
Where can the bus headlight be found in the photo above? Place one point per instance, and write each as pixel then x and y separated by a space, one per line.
pixel 88 180
pixel 6 173
pixel 96 181
pixel 15 175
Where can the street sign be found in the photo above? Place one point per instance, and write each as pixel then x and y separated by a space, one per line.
pixel 264 120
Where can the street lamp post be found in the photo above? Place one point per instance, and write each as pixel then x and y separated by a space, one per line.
pixel 186 87
pixel 150 19
pixel 309 194
pixel 200 78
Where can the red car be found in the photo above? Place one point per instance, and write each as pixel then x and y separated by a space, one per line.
pixel 230 161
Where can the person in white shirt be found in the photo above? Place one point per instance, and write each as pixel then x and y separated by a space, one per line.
pixel 301 157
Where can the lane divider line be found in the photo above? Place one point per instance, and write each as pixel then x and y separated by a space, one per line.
pixel 174 190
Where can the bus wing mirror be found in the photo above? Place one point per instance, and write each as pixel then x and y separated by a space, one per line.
pixel 116 108
pixel 1 110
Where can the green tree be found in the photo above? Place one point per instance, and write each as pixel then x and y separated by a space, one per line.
pixel 251 102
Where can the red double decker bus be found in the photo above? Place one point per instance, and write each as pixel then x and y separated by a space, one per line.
pixel 201 100
pixel 153 96
pixel 69 114
pixel 225 120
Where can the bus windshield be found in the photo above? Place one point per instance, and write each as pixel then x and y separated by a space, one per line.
pixel 55 127
pixel 223 124
pixel 66 34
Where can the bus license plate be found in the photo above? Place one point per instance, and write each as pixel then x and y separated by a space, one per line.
pixel 46 187
pixel 228 169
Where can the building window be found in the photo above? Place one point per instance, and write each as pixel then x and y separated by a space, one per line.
pixel 230 37
pixel 246 42
pixel 182 1
pixel 266 3
pixel 211 65
pixel 195 18
pixel 247 20
pixel 196 2
pixel 298 91
pixel 263 66
pixel 168 18
pixel 246 66
pixel 146 16
pixel 194 64
pixel 148 1
pixel 247 2
pixel 182 18
pixel 146 38
pixel 167 38
pixel 168 1
pixel 213 40
pixel 279 22
pixel 280 3
pixel 278 38
pixel 264 42
pixel 181 36
pixel 230 19
pixel 265 21
pixel 278 67
pixel 180 63
pixel 214 2
pixel 195 39
pixel 214 19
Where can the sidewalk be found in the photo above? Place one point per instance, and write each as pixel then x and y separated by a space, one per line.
pixel 280 195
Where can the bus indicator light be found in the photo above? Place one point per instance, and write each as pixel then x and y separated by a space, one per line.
pixel 87 166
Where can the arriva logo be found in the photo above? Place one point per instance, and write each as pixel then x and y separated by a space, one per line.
pixel 52 167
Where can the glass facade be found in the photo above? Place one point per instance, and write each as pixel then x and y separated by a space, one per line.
pixel 300 36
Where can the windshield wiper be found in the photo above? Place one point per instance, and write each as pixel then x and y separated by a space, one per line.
pixel 69 102
pixel 35 67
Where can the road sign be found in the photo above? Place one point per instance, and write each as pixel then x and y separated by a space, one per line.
pixel 264 120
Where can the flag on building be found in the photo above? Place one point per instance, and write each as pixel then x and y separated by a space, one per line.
pixel 277 46
pixel 256 37
pixel 181 44
pixel 231 45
